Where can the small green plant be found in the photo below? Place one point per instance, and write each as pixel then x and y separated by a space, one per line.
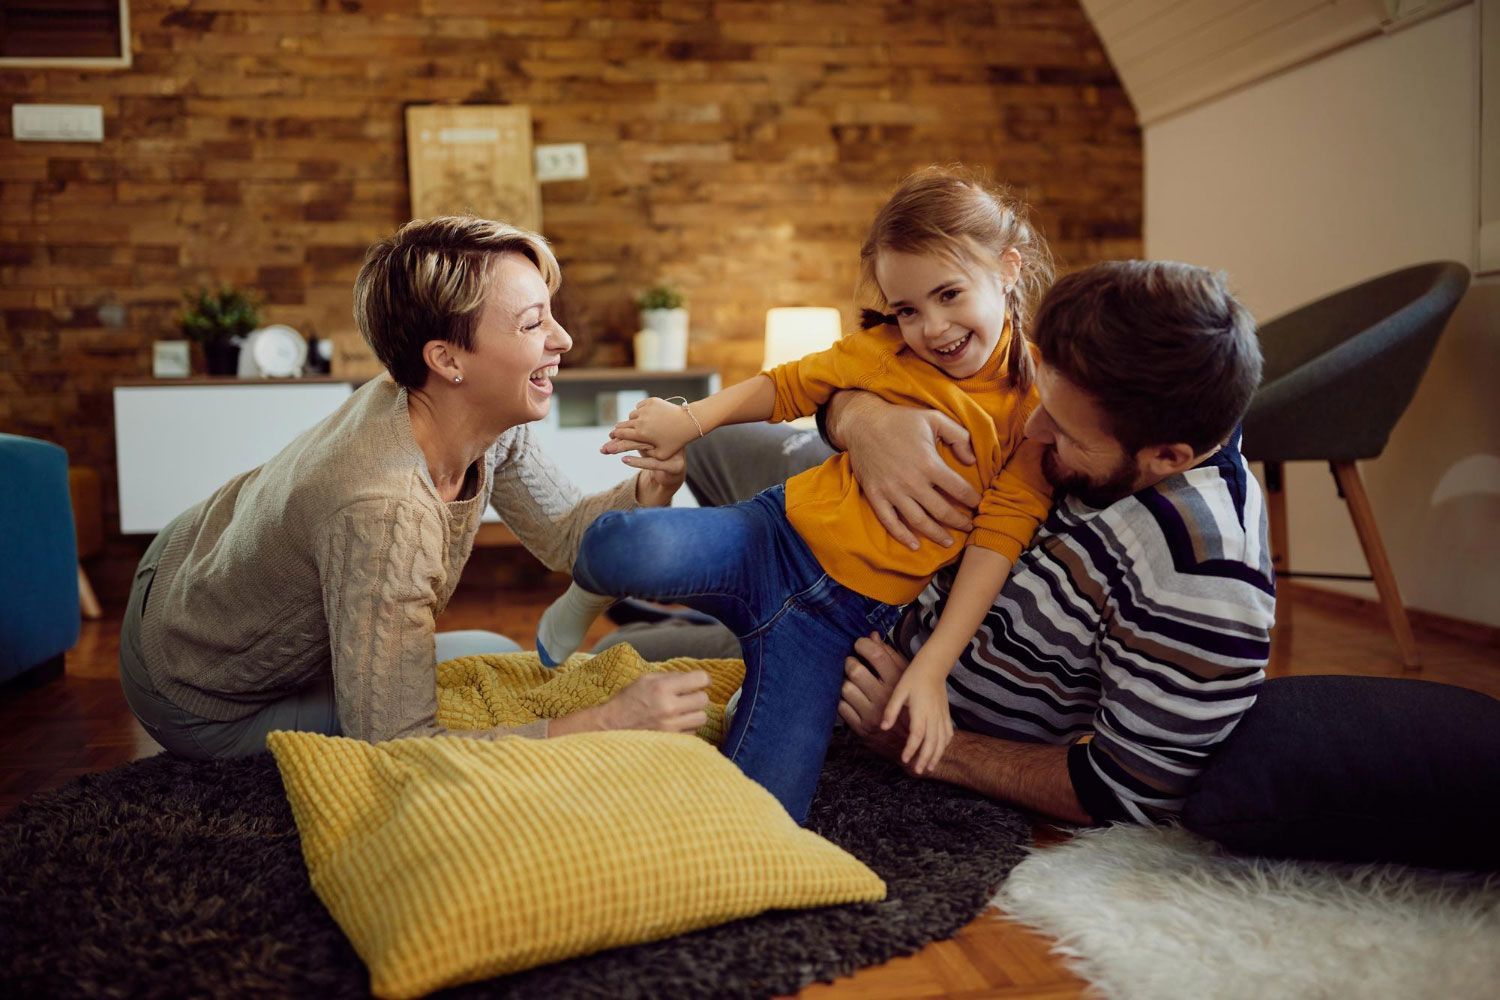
pixel 216 317
pixel 660 297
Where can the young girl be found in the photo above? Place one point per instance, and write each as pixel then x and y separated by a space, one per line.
pixel 802 570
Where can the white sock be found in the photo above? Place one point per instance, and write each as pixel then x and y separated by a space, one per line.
pixel 564 623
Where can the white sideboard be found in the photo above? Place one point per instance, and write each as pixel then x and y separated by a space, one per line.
pixel 178 441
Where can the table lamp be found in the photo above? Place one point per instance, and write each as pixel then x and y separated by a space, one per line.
pixel 797 331
pixel 794 332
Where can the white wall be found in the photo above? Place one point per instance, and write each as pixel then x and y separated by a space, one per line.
pixel 1356 164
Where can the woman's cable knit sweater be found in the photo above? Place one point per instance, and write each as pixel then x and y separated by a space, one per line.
pixel 338 554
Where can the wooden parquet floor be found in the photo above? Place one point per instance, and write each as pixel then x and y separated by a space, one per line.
pixel 81 724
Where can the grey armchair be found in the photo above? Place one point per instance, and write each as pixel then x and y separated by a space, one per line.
pixel 1339 372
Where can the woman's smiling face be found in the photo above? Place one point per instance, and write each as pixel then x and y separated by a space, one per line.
pixel 950 316
pixel 517 344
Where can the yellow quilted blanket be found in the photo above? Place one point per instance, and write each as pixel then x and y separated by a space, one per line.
pixel 512 689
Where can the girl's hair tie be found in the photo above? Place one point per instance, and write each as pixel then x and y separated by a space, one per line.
pixel 871 318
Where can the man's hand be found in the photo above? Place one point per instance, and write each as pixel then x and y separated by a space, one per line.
pixel 923 692
pixel 655 428
pixel 1032 775
pixel 667 702
pixel 893 454
pixel 865 694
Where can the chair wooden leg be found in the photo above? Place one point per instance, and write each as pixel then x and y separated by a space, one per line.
pixel 1276 516
pixel 87 601
pixel 1352 485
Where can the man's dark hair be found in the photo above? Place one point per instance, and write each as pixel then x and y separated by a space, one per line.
pixel 1163 347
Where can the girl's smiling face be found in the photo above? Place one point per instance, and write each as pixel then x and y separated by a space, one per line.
pixel 950 316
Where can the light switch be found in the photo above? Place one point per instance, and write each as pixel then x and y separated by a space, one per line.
pixel 564 161
pixel 57 122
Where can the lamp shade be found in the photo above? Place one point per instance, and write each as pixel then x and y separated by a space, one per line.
pixel 795 332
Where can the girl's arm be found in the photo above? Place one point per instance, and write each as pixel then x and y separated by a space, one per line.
pixel 661 429
pixel 923 688
pixel 981 574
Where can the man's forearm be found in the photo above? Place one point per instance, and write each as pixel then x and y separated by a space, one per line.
pixel 837 415
pixel 1031 775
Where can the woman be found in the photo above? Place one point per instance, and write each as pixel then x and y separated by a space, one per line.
pixel 303 594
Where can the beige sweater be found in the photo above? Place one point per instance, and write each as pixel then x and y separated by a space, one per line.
pixel 338 555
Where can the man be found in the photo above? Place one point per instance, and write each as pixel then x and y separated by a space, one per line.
pixel 1133 634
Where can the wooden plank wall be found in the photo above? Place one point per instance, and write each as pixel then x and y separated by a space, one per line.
pixel 736 149
pixel 1173 54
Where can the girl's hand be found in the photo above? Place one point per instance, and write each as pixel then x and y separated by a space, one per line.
pixel 655 428
pixel 923 692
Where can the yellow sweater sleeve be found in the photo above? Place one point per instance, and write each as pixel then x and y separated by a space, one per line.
pixel 1015 505
pixel 855 361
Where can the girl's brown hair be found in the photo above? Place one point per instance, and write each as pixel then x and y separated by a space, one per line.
pixel 955 213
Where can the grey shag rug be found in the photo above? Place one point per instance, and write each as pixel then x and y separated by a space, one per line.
pixel 170 878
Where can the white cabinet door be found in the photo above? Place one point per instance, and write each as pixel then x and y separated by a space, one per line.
pixel 175 445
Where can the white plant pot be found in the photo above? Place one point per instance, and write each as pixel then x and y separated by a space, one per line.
pixel 662 343
pixel 665 320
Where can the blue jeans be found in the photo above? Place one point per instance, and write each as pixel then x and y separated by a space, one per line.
pixel 748 568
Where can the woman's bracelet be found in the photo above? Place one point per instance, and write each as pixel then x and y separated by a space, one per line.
pixel 680 401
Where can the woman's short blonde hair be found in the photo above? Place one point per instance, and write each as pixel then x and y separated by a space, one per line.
pixel 428 281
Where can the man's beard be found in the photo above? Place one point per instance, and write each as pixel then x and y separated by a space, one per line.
pixel 1097 493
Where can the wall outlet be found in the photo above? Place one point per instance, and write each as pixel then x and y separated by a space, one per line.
pixel 565 161
pixel 57 122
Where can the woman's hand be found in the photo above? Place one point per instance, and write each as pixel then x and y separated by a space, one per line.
pixel 666 702
pixel 659 479
pixel 893 455
pixel 923 692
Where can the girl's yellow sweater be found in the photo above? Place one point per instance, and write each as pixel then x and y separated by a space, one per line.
pixel 825 504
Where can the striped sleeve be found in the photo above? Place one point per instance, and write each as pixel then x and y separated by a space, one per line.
pixel 1182 648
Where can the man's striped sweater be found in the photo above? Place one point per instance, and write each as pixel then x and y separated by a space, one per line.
pixel 1138 633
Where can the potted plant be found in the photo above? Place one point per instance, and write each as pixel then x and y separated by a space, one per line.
pixel 662 342
pixel 219 320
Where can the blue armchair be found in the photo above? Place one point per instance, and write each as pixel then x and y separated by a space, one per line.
pixel 39 616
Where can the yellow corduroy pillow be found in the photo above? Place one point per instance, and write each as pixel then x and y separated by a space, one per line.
pixel 449 859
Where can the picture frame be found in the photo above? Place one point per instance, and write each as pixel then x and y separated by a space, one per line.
pixel 65 34
pixel 473 159
pixel 171 359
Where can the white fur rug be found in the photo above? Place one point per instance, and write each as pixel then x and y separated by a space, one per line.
pixel 1158 914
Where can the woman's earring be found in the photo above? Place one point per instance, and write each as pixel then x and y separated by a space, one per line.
pixel 457 379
